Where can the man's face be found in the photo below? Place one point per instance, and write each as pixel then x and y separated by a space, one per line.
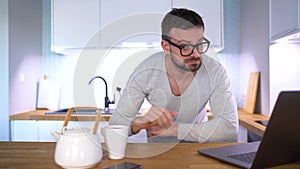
pixel 181 37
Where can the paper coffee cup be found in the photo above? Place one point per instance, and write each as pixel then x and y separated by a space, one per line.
pixel 116 137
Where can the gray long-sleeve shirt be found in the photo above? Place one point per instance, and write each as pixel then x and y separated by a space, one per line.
pixel 211 84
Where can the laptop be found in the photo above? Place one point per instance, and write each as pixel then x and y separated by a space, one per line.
pixel 279 145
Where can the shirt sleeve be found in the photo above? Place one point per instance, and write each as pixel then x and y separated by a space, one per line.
pixel 130 102
pixel 223 127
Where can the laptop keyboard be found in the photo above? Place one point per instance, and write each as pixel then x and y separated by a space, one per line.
pixel 245 157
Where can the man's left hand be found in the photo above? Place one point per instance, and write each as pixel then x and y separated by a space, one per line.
pixel 161 131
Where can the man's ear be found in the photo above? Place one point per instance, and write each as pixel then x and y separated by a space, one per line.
pixel 165 45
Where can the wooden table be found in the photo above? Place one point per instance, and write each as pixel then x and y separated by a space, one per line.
pixel 36 155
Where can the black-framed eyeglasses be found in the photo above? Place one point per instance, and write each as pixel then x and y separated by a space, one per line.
pixel 187 50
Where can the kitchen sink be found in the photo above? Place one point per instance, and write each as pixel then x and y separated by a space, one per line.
pixel 263 122
pixel 82 111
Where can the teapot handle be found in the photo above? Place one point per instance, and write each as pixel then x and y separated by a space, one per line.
pixel 72 109
pixel 98 117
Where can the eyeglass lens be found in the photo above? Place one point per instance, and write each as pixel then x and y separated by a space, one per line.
pixel 189 49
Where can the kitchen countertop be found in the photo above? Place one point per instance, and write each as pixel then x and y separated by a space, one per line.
pixel 41 115
pixel 247 120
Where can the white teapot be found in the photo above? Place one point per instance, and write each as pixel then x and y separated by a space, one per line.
pixel 78 147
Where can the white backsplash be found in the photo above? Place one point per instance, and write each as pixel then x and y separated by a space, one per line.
pixel 284 69
pixel 114 65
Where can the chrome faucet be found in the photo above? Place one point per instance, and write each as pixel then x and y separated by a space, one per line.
pixel 106 99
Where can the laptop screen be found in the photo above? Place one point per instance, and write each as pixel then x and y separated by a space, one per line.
pixel 280 143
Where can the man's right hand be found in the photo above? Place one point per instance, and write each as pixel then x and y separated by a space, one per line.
pixel 156 116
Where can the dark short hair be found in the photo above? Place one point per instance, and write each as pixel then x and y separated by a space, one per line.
pixel 180 18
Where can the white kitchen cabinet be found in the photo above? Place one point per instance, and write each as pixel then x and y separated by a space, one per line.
pixel 24 130
pixel 46 127
pixel 74 23
pixel 40 130
pixel 132 22
pixel 213 17
pixel 242 136
pixel 284 18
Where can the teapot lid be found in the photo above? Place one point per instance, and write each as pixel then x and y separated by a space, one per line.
pixel 75 132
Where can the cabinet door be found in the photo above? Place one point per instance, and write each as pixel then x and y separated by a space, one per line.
pixel 284 17
pixel 212 14
pixel 74 23
pixel 24 130
pixel 132 22
pixel 46 127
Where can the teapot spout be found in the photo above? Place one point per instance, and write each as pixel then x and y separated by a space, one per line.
pixel 56 135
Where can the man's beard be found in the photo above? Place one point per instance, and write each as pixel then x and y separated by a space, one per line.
pixel 192 68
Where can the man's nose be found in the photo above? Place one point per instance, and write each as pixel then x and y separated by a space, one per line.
pixel 195 53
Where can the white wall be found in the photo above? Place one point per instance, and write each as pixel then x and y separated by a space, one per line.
pixel 25 53
pixel 255 48
pixel 21 53
pixel 284 69
pixel 4 108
